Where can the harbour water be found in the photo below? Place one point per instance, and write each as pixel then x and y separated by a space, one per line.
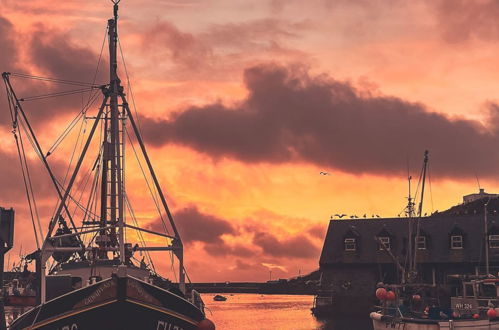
pixel 263 312
pixel 276 312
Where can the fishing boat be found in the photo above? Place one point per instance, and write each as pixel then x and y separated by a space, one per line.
pixel 471 308
pixel 419 306
pixel 88 271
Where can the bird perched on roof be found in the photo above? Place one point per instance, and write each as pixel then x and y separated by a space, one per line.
pixel 340 215
pixel 324 173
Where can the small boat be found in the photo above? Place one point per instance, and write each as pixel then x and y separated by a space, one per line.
pixel 323 304
pixel 219 298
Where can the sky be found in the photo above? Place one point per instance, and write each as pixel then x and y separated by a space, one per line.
pixel 243 103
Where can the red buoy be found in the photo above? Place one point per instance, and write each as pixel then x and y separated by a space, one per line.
pixel 491 313
pixel 390 295
pixel 476 316
pixel 416 297
pixel 455 315
pixel 206 325
pixel 381 293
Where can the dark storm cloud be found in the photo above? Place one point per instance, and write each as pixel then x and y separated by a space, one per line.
pixel 55 55
pixel 195 226
pixel 292 116
pixel 12 181
pixel 223 249
pixel 295 247
pixel 58 56
pixel 9 48
pixel 461 20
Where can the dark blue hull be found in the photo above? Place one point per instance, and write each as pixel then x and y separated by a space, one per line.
pixel 116 303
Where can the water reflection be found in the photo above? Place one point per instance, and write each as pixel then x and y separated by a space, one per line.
pixel 254 311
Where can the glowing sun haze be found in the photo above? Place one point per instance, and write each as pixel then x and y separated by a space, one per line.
pixel 243 103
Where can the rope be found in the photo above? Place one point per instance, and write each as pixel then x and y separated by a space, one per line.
pixel 141 237
pixel 57 94
pixel 54 80
pixel 20 153
pixel 156 203
pixel 129 85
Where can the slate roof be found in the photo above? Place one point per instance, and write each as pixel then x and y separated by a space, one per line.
pixel 437 228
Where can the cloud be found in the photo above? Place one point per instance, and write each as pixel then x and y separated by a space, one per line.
pixel 195 226
pixel 318 231
pixel 224 249
pixel 461 20
pixel 292 116
pixel 57 55
pixel 219 48
pixel 295 247
pixel 50 53
pixel 217 234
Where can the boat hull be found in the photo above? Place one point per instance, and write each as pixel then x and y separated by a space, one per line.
pixel 344 306
pixel 384 323
pixel 116 303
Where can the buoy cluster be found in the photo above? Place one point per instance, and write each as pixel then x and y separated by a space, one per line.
pixel 383 294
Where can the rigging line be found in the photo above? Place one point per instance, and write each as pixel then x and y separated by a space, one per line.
pixel 129 85
pixel 31 187
pixel 85 181
pixel 172 263
pixel 27 193
pixel 70 162
pixel 141 237
pixel 431 192
pixel 14 117
pixel 72 198
pixel 100 55
pixel 148 185
pixel 92 193
pixel 73 123
pixel 57 94
pixel 55 80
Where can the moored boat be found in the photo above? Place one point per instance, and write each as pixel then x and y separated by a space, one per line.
pixel 89 276
pixel 474 307
pixel 219 298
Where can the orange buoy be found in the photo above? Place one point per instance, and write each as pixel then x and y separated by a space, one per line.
pixel 476 316
pixel 390 295
pixel 381 293
pixel 491 313
pixel 206 324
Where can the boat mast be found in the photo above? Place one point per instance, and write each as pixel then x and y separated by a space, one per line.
pixel 420 211
pixel 485 229
pixel 113 140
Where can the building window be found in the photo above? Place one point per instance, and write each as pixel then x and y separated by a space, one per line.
pixel 421 242
pixel 456 242
pixel 384 243
pixel 494 241
pixel 350 244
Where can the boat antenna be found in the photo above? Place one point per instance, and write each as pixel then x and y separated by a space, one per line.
pixel 420 210
pixel 486 232
pixel 478 182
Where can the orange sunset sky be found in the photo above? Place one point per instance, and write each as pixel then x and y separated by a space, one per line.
pixel 243 103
